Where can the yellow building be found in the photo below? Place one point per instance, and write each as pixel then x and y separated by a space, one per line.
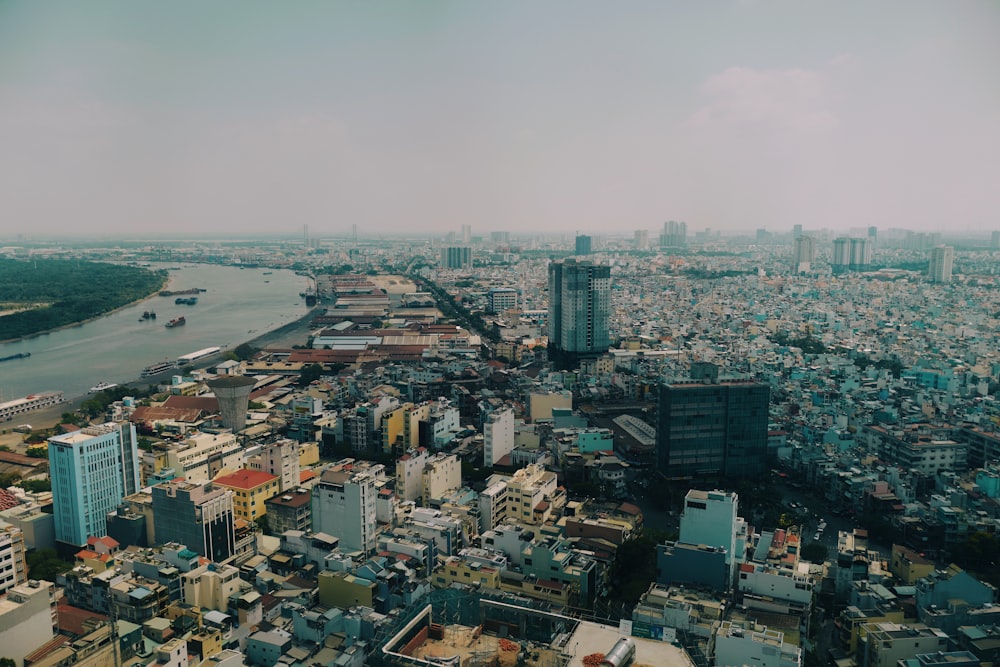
pixel 343 590
pixel 250 489
pixel 909 566
pixel 457 570
pixel 308 454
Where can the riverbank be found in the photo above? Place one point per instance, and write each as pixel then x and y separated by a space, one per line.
pixel 148 297
pixel 285 336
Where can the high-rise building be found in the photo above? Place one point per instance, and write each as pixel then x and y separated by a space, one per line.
pixel 712 428
pixel 579 308
pixel 805 253
pixel 712 518
pixel 92 470
pixel 942 259
pixel 584 244
pixel 500 299
pixel 456 257
pixel 498 436
pixel 851 254
pixel 13 566
pixel 674 234
pixel 500 238
pixel 641 239
pixel 281 459
pixel 344 505
pixel 466 234
pixel 796 231
pixel 196 515
pixel 873 233
pixel 995 240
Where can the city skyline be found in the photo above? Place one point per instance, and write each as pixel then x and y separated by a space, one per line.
pixel 568 117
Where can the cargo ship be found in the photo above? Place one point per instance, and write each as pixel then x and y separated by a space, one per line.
pixel 19 355
pixel 186 301
pixel 193 290
pixel 176 322
pixel 156 369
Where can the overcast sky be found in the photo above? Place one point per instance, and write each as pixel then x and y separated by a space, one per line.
pixel 598 117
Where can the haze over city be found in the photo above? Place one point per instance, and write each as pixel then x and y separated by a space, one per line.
pixel 145 118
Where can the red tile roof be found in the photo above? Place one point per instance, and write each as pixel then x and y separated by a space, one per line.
pixel 245 479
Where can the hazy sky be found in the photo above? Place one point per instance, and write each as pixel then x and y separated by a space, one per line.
pixel 590 116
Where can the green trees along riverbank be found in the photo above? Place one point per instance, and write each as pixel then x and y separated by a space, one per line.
pixel 46 294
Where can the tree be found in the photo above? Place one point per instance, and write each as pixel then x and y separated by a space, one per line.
pixel 309 374
pixel 35 485
pixel 815 552
pixel 7 662
pixel 245 351
pixel 37 452
pixel 46 564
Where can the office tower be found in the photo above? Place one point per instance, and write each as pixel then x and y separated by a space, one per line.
pixel 641 239
pixel 796 231
pixel 13 566
pixel 500 299
pixel 466 234
pixel 841 259
pixel 197 515
pixel 583 244
pixel 712 428
pixel 498 435
pixel 942 258
pixel 233 394
pixel 861 254
pixel 674 234
pixel 456 257
pixel 579 308
pixel 92 470
pixel 995 240
pixel 805 252
pixel 343 505
pixel 873 233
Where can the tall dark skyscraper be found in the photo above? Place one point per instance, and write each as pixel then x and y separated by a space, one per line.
pixel 579 308
pixel 584 245
pixel 712 427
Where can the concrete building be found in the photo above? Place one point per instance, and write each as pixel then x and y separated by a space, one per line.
pixel 747 643
pixel 456 257
pixel 344 506
pixel 92 470
pixel 202 456
pixel 493 503
pixel 533 495
pixel 501 299
pixel 281 459
pixel 441 474
pixel 584 244
pixel 942 260
pixel 291 510
pixel 13 566
pixel 885 644
pixel 712 518
pixel 498 435
pixel 196 515
pixel 27 619
pixel 579 310
pixel 674 234
pixel 716 428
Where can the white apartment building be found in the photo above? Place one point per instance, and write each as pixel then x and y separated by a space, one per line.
pixel 280 459
pixel 211 585
pixel 493 503
pixel 710 518
pixel 442 473
pixel 344 505
pixel 736 645
pixel 13 567
pixel 498 436
pixel 27 619
pixel 771 589
pixel 202 456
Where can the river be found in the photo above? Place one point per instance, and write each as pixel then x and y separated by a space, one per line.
pixel 238 305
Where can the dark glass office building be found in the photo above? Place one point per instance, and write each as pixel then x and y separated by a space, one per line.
pixel 708 429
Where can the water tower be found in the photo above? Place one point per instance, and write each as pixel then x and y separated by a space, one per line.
pixel 233 392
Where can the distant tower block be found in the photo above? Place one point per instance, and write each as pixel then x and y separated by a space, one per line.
pixel 233 393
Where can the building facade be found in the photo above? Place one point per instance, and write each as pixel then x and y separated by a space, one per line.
pixel 579 308
pixel 92 470
pixel 712 429
pixel 196 515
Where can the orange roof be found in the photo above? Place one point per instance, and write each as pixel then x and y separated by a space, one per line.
pixel 245 479
pixel 306 475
